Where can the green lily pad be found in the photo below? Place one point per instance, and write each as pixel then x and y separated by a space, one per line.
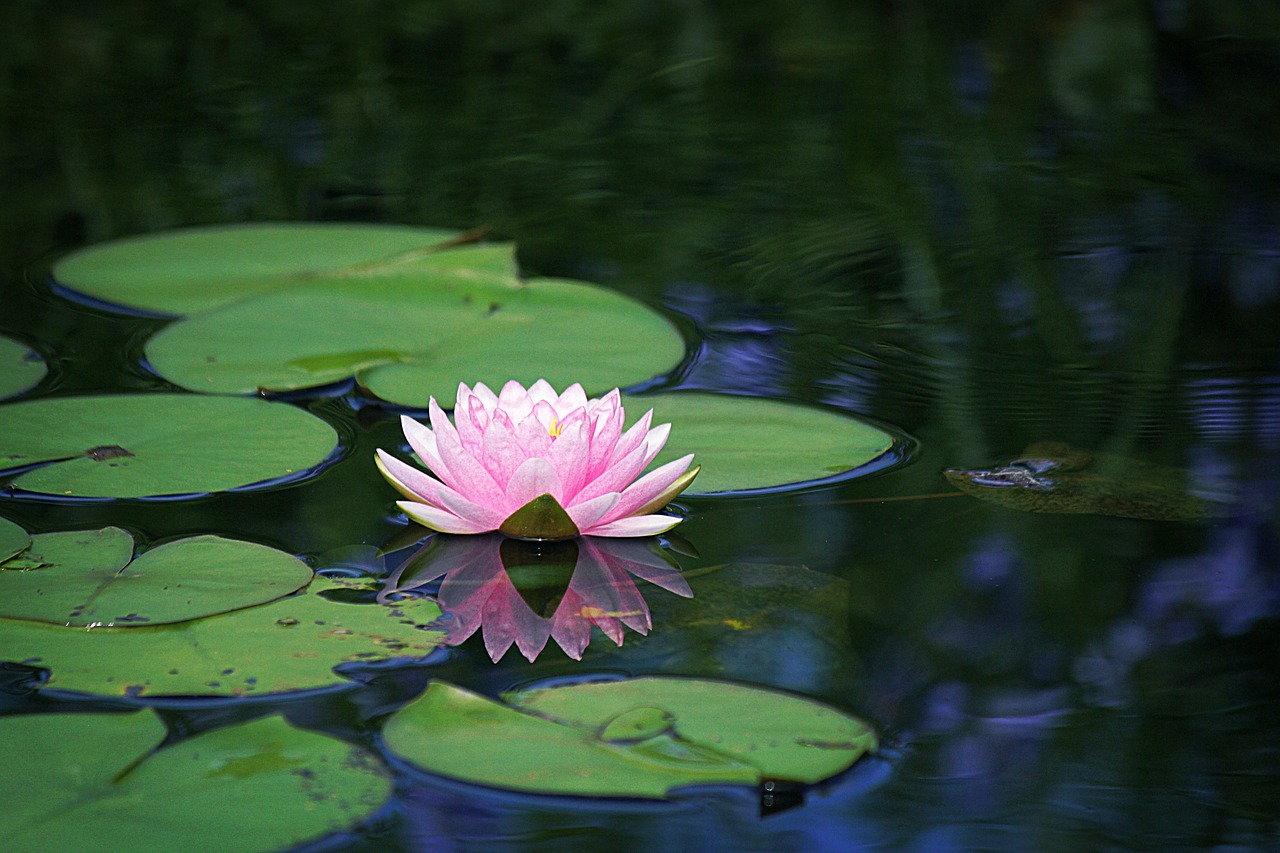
pixel 13 539
pixel 1053 477
pixel 140 445
pixel 637 738
pixel 257 786
pixel 289 644
pixel 85 579
pixel 409 336
pixel 20 367
pixel 752 443
pixel 180 272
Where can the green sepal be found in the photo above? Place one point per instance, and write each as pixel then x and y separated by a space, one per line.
pixel 540 519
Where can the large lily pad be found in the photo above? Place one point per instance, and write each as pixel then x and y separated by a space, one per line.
pixel 85 579
pixel 409 336
pixel 637 738
pixel 179 272
pixel 99 780
pixel 138 445
pixel 13 539
pixel 751 443
pixel 20 367
pixel 289 644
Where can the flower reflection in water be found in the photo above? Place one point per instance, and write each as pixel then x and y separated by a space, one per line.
pixel 525 593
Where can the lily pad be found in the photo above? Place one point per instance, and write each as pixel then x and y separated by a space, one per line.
pixel 642 737
pixel 85 579
pixel 751 443
pixel 20 367
pixel 141 445
pixel 256 786
pixel 195 269
pixel 407 337
pixel 288 644
pixel 1054 477
pixel 13 539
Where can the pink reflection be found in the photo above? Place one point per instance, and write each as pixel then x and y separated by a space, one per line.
pixel 525 593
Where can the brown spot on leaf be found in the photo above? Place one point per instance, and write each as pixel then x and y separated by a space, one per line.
pixel 107 451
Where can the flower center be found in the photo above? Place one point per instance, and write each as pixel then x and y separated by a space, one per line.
pixel 555 428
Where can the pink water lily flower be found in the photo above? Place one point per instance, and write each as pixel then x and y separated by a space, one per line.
pixel 537 465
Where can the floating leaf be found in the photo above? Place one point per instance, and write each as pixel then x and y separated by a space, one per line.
pixel 1053 477
pixel 288 644
pixel 20 367
pixel 637 738
pixel 256 786
pixel 751 443
pixel 141 445
pixel 179 272
pixel 13 539
pixel 82 579
pixel 407 337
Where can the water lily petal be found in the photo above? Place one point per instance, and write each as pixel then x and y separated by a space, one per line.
pixel 534 477
pixel 636 525
pixel 515 401
pixel 631 439
pixel 616 477
pixel 466 475
pixel 501 453
pixel 642 491
pixel 440 519
pixel 487 398
pixel 423 442
pixel 590 512
pixel 572 398
pixel 470 419
pixel 569 453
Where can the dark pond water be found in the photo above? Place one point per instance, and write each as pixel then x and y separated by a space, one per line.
pixel 989 226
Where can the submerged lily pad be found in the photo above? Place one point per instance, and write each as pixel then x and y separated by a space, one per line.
pixel 20 367
pixel 139 445
pixel 1053 477
pixel 13 539
pixel 256 786
pixel 288 644
pixel 641 737
pixel 407 337
pixel 195 269
pixel 86 579
pixel 752 443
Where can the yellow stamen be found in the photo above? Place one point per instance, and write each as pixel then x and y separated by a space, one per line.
pixel 556 428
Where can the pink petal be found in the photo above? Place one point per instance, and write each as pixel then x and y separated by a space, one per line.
pixel 647 488
pixel 508 618
pixel 423 442
pixel 470 419
pixel 409 481
pixel 534 477
pixel 571 630
pixel 532 432
pixel 656 438
pixel 500 452
pixel 465 473
pixel 568 454
pixel 572 398
pixel 515 401
pixel 590 512
pixel 487 398
pixel 616 477
pixel 607 429
pixel 636 525
pixel 440 519
pixel 631 439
